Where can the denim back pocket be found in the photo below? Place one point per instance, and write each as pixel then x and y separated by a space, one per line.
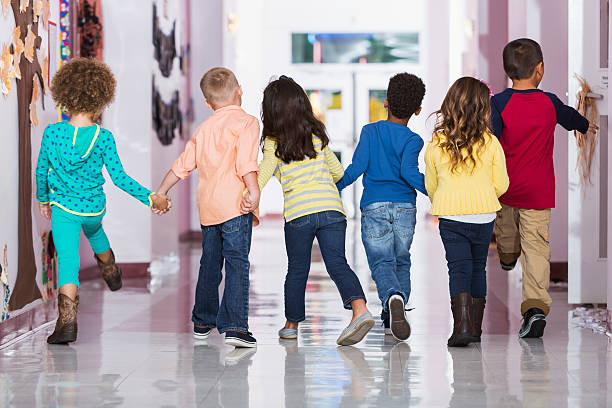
pixel 233 225
pixel 375 222
pixel 405 220
pixel 298 222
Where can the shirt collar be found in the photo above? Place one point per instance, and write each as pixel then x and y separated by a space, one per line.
pixel 228 108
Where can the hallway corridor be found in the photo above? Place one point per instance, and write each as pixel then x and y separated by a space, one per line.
pixel 135 346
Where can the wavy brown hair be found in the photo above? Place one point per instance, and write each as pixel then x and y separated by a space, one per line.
pixel 463 119
pixel 288 118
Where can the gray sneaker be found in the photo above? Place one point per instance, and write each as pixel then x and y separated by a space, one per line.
pixel 357 330
pixel 288 333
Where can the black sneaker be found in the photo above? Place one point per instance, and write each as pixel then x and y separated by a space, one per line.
pixel 508 266
pixel 240 339
pixel 400 328
pixel 201 332
pixel 534 321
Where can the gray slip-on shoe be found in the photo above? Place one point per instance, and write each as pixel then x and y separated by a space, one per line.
pixel 357 330
pixel 288 333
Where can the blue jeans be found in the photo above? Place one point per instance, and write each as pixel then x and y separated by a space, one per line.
pixel 467 247
pixel 229 242
pixel 386 231
pixel 329 227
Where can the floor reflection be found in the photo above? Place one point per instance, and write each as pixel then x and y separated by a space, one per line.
pixel 135 347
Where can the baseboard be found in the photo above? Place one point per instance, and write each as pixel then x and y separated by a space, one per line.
pixel 558 271
pixel 128 271
pixel 26 321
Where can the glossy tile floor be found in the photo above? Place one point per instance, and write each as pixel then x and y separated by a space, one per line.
pixel 135 348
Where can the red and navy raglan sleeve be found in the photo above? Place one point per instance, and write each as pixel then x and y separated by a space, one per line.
pixel 567 116
pixel 498 104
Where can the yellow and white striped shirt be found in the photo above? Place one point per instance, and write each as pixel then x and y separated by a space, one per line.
pixel 309 186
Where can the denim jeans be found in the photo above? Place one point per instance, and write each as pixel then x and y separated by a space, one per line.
pixel 229 243
pixel 329 227
pixel 386 231
pixel 467 247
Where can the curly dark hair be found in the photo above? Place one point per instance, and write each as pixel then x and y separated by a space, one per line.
pixel 83 85
pixel 463 121
pixel 288 118
pixel 405 94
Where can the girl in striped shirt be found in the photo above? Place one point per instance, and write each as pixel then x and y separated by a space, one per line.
pixel 296 152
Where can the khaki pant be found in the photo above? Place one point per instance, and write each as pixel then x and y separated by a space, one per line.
pixel 524 232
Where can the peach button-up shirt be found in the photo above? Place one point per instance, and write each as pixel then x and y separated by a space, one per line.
pixel 224 149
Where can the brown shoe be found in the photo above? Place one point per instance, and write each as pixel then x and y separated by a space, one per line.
pixel 462 327
pixel 66 325
pixel 476 314
pixel 110 272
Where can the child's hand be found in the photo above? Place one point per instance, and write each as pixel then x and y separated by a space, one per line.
pixel 161 204
pixel 45 210
pixel 593 127
pixel 250 202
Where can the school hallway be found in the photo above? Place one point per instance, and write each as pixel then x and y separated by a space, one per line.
pixel 135 346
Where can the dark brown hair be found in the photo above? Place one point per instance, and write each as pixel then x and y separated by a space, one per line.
pixel 83 85
pixel 405 94
pixel 288 119
pixel 218 85
pixel 521 57
pixel 463 119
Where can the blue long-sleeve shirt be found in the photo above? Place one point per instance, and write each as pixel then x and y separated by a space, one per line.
pixel 387 155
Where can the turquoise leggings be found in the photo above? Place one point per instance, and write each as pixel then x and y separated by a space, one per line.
pixel 66 229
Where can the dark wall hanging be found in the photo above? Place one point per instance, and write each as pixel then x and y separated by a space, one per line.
pixel 89 21
pixel 165 47
pixel 26 290
pixel 166 117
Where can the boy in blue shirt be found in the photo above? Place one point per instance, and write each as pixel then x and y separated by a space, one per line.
pixel 387 156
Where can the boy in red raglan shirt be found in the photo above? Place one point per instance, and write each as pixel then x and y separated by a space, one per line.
pixel 524 118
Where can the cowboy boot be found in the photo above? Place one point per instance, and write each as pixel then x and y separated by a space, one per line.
pixel 462 327
pixel 476 314
pixel 110 272
pixel 66 325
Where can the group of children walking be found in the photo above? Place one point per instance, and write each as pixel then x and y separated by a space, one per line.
pixel 489 167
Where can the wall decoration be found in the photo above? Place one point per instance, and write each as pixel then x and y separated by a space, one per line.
pixel 49 266
pixel 4 283
pixel 377 105
pixel 5 8
pixel 18 48
pixel 35 96
pixel 7 70
pixel 587 143
pixel 167 117
pixel 64 31
pixel 90 29
pixel 165 47
pixel 26 290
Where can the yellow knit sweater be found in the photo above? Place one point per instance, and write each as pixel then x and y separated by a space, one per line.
pixel 465 191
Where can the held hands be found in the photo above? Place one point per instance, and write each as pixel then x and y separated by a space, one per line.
pixel 161 204
pixel 593 127
pixel 45 210
pixel 250 202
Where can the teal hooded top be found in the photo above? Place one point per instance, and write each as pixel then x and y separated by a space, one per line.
pixel 69 170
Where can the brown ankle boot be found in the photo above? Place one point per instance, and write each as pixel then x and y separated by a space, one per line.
pixel 476 314
pixel 110 272
pixel 462 327
pixel 66 325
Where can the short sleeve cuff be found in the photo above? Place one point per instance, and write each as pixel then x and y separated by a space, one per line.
pixel 179 171
pixel 247 168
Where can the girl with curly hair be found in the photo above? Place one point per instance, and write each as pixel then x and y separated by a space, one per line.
pixel 465 174
pixel 69 182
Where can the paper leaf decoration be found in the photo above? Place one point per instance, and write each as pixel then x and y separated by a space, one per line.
pixel 23 5
pixel 28 51
pixel 35 96
pixel 46 13
pixel 5 7
pixel 37 9
pixel 4 277
pixel 7 71
pixel 45 73
pixel 18 48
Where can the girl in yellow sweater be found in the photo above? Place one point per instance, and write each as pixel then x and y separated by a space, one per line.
pixel 465 175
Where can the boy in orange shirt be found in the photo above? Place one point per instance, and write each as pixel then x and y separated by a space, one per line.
pixel 224 149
